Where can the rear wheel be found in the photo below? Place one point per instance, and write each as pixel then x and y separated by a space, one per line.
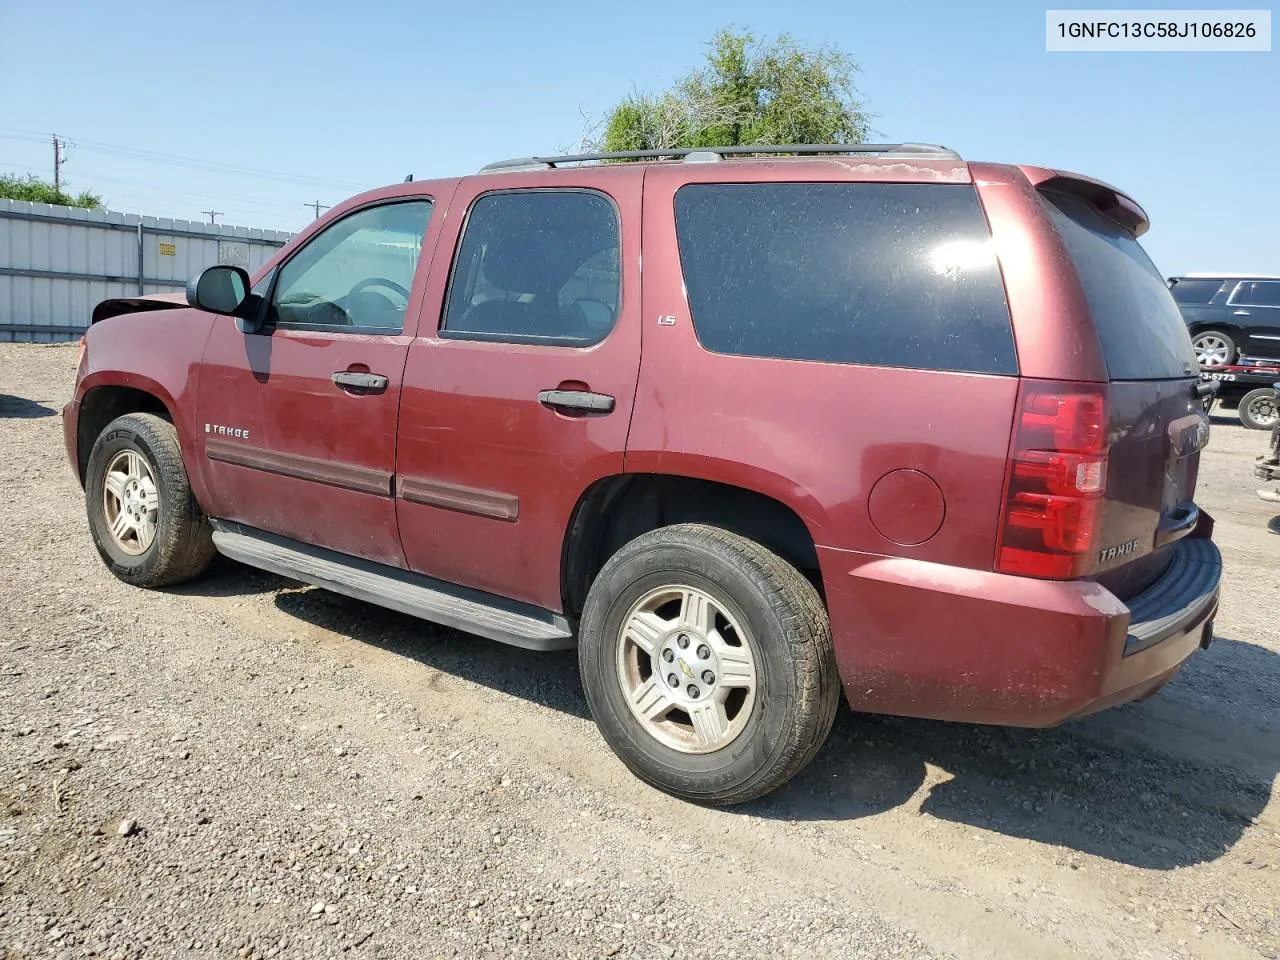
pixel 1258 410
pixel 146 524
pixel 1214 348
pixel 707 663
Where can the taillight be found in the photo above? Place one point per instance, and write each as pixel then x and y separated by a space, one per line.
pixel 1057 479
pixel 80 352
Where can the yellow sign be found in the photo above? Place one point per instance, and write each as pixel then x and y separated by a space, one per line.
pixel 168 249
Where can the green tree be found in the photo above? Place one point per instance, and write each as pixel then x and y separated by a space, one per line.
pixel 30 187
pixel 749 92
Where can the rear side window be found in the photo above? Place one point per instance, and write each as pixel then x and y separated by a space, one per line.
pixel 1196 291
pixel 897 275
pixel 1143 335
pixel 536 266
pixel 1258 293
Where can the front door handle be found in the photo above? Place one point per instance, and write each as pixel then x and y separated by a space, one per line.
pixel 579 401
pixel 1240 313
pixel 351 380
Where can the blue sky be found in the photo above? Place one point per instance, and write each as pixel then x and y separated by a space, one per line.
pixel 329 98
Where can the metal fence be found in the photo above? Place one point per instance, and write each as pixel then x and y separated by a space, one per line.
pixel 57 263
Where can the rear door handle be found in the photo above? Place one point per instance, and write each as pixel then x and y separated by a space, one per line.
pixel 348 379
pixel 581 401
pixel 1240 313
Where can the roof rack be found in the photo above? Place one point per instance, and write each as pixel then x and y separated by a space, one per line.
pixel 714 154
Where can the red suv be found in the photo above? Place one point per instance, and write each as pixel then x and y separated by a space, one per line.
pixel 743 429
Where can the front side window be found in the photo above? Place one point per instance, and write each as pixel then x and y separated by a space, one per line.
pixel 356 274
pixel 1258 293
pixel 888 274
pixel 536 266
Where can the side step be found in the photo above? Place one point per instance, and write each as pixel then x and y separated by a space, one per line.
pixel 498 618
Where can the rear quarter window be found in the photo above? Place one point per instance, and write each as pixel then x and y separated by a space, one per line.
pixel 1142 332
pixel 1195 291
pixel 897 275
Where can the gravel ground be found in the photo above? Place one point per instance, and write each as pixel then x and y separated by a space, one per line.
pixel 244 767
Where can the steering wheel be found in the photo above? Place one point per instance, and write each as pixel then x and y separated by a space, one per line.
pixel 379 282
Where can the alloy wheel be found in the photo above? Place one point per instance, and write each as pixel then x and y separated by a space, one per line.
pixel 1211 350
pixel 130 502
pixel 687 669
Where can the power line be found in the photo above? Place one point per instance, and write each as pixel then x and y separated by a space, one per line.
pixel 172 194
pixel 152 156
pixel 213 215
pixel 317 206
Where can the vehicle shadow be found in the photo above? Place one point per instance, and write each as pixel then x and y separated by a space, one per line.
pixel 1169 782
pixel 548 679
pixel 227 578
pixel 20 408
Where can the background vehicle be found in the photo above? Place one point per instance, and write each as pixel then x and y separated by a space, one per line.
pixel 461 399
pixel 1246 386
pixel 1230 315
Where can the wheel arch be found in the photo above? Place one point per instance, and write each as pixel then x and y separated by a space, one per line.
pixel 616 509
pixel 101 403
pixel 1196 327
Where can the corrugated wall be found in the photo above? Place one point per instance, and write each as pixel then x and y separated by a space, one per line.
pixel 57 263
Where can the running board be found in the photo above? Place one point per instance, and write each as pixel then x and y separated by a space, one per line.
pixel 498 618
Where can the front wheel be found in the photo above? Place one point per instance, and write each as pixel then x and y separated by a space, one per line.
pixel 1214 348
pixel 1258 410
pixel 708 664
pixel 145 522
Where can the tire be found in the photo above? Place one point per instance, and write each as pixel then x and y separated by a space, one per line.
pixel 155 489
pixel 780 717
pixel 1258 409
pixel 1214 348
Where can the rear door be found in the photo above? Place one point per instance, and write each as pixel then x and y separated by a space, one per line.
pixel 519 387
pixel 1156 425
pixel 1255 306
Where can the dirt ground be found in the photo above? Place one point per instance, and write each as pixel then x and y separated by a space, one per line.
pixel 244 767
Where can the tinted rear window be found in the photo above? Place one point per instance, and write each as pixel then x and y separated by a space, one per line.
pixel 1143 335
pixel 898 275
pixel 1195 291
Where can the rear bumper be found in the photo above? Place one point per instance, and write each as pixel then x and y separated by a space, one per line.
pixel 922 639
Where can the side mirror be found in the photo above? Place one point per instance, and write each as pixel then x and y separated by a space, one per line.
pixel 219 289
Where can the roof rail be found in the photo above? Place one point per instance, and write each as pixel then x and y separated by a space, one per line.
pixel 706 154
pixel 1227 276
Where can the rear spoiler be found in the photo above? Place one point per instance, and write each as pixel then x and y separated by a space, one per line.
pixel 1113 204
pixel 118 305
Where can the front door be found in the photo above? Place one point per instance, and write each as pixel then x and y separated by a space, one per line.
pixel 299 420
pixel 521 399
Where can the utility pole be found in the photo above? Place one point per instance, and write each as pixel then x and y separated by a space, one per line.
pixel 317 207
pixel 213 215
pixel 59 158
